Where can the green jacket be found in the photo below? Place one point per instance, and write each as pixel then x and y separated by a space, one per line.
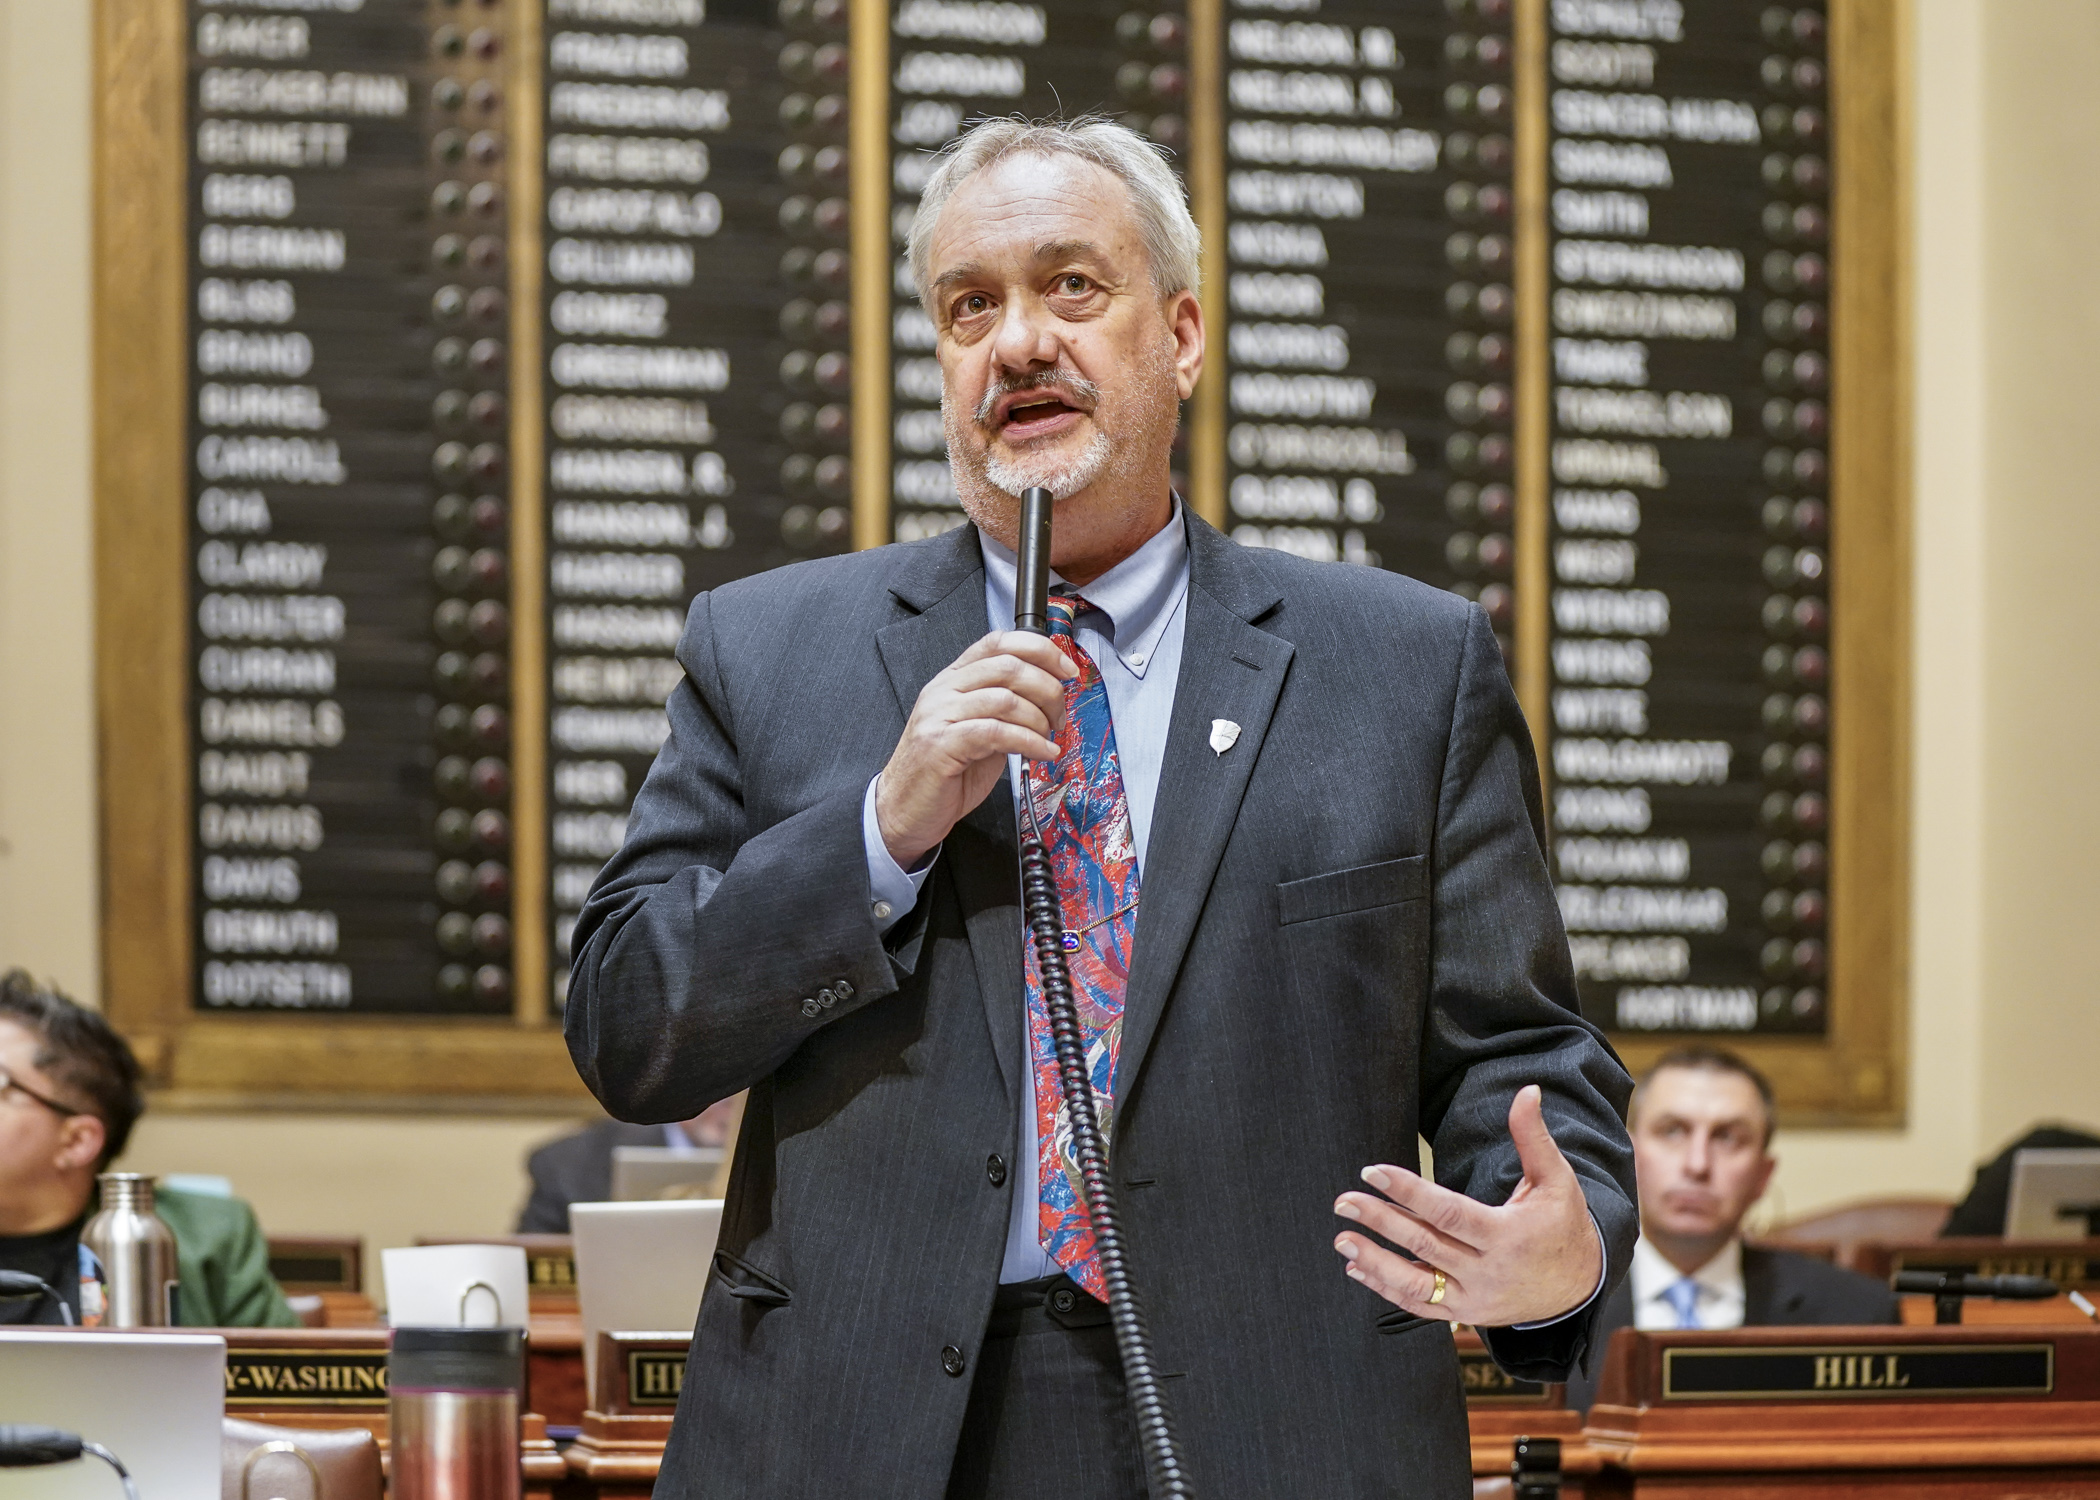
pixel 223 1262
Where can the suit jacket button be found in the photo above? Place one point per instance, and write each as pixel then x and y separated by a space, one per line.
pixel 952 1359
pixel 995 1168
pixel 1062 1300
pixel 827 998
pixel 812 1008
pixel 842 989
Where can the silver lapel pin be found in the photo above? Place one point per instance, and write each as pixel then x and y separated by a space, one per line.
pixel 1224 734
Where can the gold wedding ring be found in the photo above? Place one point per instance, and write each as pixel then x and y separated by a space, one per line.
pixel 1437 1296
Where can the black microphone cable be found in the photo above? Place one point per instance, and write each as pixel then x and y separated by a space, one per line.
pixel 23 1447
pixel 1164 1476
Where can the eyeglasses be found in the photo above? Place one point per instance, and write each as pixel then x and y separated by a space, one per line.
pixel 9 1081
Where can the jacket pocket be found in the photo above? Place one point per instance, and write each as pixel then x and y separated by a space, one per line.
pixel 1363 888
pixel 748 1284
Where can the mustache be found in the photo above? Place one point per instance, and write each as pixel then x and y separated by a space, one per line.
pixel 1078 385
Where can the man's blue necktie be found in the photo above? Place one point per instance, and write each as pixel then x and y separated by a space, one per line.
pixel 1683 1295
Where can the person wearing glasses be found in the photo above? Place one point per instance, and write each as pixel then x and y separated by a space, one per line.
pixel 69 1095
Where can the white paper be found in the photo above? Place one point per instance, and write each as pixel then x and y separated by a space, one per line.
pixel 456 1286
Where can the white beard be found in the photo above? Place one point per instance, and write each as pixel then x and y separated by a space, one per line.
pixel 1061 478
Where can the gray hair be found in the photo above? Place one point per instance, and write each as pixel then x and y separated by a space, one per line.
pixel 1172 243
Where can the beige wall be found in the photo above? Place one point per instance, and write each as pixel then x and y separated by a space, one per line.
pixel 2007 702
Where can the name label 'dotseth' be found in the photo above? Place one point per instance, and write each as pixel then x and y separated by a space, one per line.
pixel 1850 1372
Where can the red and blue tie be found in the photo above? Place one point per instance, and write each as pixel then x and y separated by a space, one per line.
pixel 1085 821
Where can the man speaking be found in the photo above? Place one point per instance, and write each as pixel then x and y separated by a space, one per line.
pixel 1306 906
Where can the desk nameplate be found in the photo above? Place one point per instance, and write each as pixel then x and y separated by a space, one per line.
pixel 307 1378
pixel 1856 1372
pixel 1488 1384
pixel 654 1378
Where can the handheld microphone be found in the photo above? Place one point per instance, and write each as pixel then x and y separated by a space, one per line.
pixel 25 1447
pixel 1044 911
pixel 1032 572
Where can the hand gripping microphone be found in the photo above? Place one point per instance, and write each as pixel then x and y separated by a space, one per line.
pixel 1164 1479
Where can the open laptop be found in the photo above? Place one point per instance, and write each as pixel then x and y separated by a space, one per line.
pixel 640 1268
pixel 2045 1184
pixel 643 1174
pixel 155 1400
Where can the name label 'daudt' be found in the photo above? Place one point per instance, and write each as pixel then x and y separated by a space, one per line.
pixel 655 1377
pixel 306 1377
pixel 1487 1383
pixel 1838 1374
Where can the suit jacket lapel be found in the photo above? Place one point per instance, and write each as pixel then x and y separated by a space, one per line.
pixel 1232 670
pixel 942 588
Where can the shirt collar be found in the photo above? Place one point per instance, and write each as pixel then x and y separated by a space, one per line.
pixel 1652 1272
pixel 1138 595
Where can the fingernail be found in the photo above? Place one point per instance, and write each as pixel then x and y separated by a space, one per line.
pixel 1356 1275
pixel 1347 1247
pixel 1347 1209
pixel 1375 1177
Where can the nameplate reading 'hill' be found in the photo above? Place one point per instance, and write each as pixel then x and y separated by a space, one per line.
pixel 1837 1374
pixel 1487 1383
pixel 306 1377
pixel 655 1377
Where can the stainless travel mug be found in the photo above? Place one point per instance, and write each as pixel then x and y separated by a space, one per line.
pixel 454 1396
pixel 137 1252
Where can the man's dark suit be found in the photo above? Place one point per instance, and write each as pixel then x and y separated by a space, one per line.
pixel 1348 936
pixel 1780 1289
pixel 577 1169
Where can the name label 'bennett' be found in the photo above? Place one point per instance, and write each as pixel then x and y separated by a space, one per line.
pixel 306 1377
pixel 1851 1372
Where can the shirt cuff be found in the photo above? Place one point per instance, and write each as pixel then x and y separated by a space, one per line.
pixel 1603 1272
pixel 892 891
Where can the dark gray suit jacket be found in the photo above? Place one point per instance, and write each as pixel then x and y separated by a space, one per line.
pixel 1780 1289
pixel 577 1169
pixel 1348 936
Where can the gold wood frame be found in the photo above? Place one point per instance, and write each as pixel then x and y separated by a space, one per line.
pixel 142 669
pixel 1855 1075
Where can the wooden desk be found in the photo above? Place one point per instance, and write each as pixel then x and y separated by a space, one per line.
pixel 641 1374
pixel 336 1378
pixel 1500 1409
pixel 1808 1413
pixel 629 1421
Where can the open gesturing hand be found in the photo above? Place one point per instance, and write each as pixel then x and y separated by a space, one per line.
pixel 1535 1258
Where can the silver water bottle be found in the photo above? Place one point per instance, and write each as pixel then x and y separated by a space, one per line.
pixel 137 1251
pixel 454 1398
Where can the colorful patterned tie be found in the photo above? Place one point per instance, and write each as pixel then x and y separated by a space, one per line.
pixel 1085 823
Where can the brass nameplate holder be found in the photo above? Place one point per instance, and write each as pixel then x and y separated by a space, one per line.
pixel 306 1377
pixel 1488 1384
pixel 1842 1373
pixel 551 1270
pixel 655 1377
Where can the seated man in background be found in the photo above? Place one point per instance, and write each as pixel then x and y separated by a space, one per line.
pixel 578 1168
pixel 1701 1123
pixel 69 1095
